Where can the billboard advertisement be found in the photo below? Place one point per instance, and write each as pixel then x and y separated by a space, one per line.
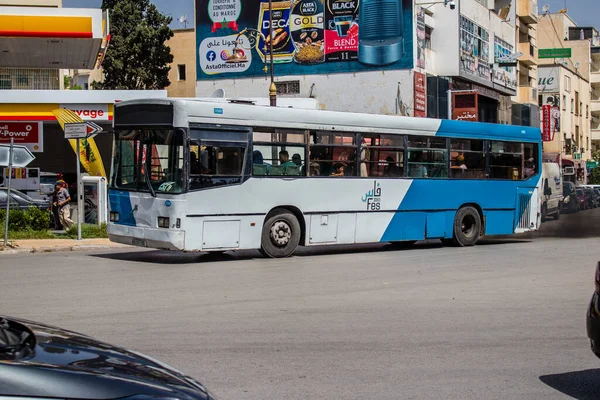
pixel 28 134
pixel 420 100
pixel 548 79
pixel 309 37
pixel 465 106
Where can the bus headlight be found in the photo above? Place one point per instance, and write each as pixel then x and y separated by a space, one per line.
pixel 163 222
pixel 114 216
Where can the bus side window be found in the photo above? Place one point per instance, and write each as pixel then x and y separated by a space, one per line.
pixel 333 154
pixel 427 157
pixel 531 160
pixel 278 152
pixel 506 160
pixel 467 159
pixel 382 155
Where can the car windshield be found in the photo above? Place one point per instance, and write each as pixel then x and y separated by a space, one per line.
pixel 22 195
pixel 580 192
pixel 149 160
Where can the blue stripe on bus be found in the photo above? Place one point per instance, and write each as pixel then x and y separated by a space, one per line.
pixel 121 203
pixel 499 200
pixel 471 130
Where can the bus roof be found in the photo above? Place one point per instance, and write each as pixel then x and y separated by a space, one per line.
pixel 190 111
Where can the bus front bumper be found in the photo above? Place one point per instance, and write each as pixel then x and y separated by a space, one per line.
pixel 147 237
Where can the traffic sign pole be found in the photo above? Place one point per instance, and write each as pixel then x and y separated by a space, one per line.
pixel 79 194
pixel 10 164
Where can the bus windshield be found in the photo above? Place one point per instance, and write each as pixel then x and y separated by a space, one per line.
pixel 149 160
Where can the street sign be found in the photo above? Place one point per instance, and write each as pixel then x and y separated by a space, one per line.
pixel 591 164
pixel 509 58
pixel 22 157
pixel 81 130
pixel 554 53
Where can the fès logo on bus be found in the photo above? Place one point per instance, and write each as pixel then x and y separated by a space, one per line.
pixel 373 198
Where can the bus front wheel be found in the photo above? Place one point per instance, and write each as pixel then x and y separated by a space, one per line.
pixel 280 235
pixel 467 227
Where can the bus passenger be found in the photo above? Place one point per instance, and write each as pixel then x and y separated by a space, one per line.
pixel 284 160
pixel 257 158
pixel 365 156
pixel 391 169
pixel 418 170
pixel 194 166
pixel 338 170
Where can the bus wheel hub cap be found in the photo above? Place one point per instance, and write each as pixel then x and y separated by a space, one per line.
pixel 281 233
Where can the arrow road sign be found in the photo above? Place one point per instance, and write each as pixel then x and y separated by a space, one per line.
pixel 22 157
pixel 81 130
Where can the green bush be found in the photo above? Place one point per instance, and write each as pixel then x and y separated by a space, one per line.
pixel 595 176
pixel 31 219
pixel 88 231
pixel 30 234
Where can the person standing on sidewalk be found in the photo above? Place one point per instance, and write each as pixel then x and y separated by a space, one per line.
pixel 62 202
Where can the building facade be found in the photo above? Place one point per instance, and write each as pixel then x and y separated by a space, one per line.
pixel 182 74
pixel 462 50
pixel 566 92
pixel 525 108
pixel 318 52
pixel 39 42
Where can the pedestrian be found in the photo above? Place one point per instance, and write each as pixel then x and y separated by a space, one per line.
pixel 55 211
pixel 62 203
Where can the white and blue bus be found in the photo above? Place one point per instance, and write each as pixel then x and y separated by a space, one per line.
pixel 197 175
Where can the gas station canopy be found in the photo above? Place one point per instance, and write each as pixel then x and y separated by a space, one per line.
pixel 55 38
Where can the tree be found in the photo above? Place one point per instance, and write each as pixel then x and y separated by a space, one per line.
pixel 137 57
pixel 595 176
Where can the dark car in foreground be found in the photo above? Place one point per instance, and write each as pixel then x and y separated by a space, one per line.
pixel 593 315
pixel 44 362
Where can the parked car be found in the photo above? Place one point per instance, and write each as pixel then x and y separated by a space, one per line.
pixel 582 200
pixel 45 362
pixel 593 315
pixel 590 197
pixel 570 201
pixel 552 195
pixel 47 180
pixel 20 200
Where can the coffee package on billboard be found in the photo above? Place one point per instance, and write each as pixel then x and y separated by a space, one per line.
pixel 283 47
pixel 341 30
pixel 306 24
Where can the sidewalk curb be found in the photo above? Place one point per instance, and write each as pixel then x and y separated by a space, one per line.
pixel 83 247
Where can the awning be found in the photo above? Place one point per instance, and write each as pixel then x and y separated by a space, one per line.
pixel 56 38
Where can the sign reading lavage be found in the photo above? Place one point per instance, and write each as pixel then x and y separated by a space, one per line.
pixel 309 37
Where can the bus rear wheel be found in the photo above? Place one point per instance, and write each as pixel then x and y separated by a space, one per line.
pixel 280 235
pixel 467 227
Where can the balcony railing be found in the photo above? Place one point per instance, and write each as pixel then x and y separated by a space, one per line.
pixel 595 106
pixel 527 94
pixel 29 79
pixel 529 56
pixel 528 11
pixel 595 79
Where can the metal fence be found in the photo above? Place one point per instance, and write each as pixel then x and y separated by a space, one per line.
pixel 29 79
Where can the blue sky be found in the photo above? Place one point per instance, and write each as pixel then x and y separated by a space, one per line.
pixel 583 12
pixel 175 8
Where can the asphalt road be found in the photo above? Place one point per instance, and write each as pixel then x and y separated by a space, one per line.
pixel 502 320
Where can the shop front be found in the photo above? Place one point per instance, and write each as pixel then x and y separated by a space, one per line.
pixel 27 117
